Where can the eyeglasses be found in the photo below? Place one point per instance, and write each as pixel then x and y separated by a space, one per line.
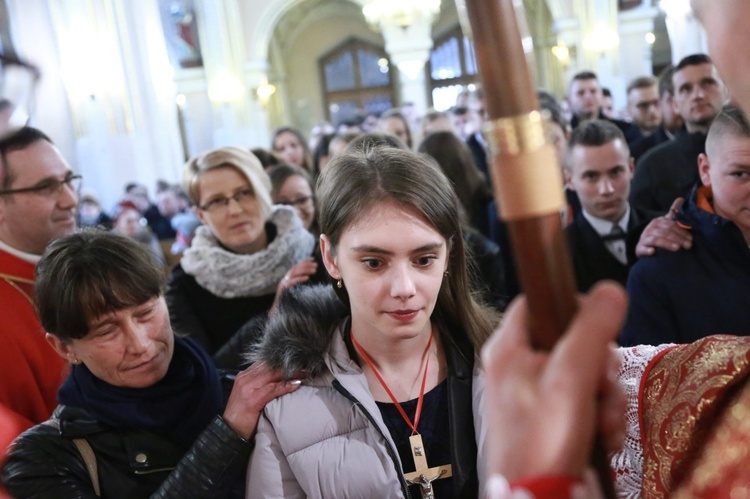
pixel 18 81
pixel 296 202
pixel 217 205
pixel 49 187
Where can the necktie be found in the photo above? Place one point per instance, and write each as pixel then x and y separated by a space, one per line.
pixel 616 234
pixel 615 242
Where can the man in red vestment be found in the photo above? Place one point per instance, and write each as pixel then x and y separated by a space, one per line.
pixel 38 203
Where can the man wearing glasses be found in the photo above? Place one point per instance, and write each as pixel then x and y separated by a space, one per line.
pixel 38 199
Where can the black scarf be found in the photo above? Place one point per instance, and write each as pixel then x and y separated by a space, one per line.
pixel 179 406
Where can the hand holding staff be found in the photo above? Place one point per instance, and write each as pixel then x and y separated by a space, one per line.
pixel 526 180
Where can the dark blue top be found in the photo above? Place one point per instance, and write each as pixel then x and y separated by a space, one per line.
pixel 435 431
pixel 682 296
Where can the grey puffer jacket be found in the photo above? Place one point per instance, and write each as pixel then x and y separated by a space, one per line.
pixel 328 439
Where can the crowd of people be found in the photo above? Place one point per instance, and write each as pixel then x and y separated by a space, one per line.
pixel 315 318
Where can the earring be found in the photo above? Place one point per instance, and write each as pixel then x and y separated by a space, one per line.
pixel 446 273
pixel 74 360
pixel 339 283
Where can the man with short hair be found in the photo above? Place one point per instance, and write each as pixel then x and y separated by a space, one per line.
pixel 461 117
pixel 476 141
pixel 643 104
pixel 168 204
pixel 586 98
pixel 38 199
pixel 608 104
pixel 602 236
pixel 669 171
pixel 679 297
pixel 671 121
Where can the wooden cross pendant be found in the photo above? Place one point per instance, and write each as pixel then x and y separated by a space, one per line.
pixel 424 476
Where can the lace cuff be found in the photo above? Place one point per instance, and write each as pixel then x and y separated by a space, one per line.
pixel 627 464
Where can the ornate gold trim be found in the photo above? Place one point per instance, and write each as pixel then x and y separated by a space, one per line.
pixel 9 279
pixel 528 181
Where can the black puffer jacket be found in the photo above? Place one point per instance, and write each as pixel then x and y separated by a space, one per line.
pixel 45 463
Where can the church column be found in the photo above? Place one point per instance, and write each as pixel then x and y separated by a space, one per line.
pixel 686 36
pixel 567 30
pixel 601 43
pixel 635 51
pixel 238 118
pixel 120 91
pixel 594 43
pixel 408 47
pixel 256 76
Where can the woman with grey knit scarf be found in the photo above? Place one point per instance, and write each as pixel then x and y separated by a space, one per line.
pixel 246 253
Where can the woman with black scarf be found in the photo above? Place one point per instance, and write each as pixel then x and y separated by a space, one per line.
pixel 142 413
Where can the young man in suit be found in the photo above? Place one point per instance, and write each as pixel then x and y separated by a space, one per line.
pixel 602 236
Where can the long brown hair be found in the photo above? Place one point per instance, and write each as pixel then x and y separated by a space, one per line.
pixel 358 180
pixel 307 162
pixel 455 159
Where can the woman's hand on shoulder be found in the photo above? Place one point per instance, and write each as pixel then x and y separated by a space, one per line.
pixel 253 389
pixel 298 274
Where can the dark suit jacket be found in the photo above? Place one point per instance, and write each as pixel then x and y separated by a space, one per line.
pixel 479 153
pixel 499 234
pixel 641 147
pixel 592 261
pixel 666 172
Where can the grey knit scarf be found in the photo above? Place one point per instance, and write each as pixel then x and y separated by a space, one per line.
pixel 231 275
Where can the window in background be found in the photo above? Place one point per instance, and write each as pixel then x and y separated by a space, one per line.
pixel 357 80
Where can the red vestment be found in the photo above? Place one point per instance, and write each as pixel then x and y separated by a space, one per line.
pixel 31 371
pixel 695 419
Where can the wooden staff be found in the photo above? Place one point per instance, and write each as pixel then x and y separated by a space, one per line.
pixel 527 181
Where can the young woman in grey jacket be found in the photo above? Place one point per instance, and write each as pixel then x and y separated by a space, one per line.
pixel 390 406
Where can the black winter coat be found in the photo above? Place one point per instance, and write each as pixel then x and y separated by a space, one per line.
pixel 44 462
pixel 205 317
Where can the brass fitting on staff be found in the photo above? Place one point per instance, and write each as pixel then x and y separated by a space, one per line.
pixel 517 134
pixel 526 174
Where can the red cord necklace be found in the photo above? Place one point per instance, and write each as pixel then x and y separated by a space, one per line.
pixel 424 475
pixel 420 400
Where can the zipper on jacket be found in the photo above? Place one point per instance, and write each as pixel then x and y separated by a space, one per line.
pixel 391 450
pixel 155 470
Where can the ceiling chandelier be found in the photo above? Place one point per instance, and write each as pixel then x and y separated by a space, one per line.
pixel 401 13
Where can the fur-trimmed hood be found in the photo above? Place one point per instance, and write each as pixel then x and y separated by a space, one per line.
pixel 298 336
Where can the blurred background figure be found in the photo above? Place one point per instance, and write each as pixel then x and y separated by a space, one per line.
pixel 673 122
pixel 455 160
pixel 128 221
pixel 339 142
pixel 395 123
pixel 90 212
pixel 320 129
pixel 643 104
pixel 321 153
pixel 476 141
pixel 436 121
pixel 185 224
pixel 266 157
pixel 291 186
pixel 608 104
pixel 290 145
pixel 170 201
pixel 369 122
pixel 462 122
